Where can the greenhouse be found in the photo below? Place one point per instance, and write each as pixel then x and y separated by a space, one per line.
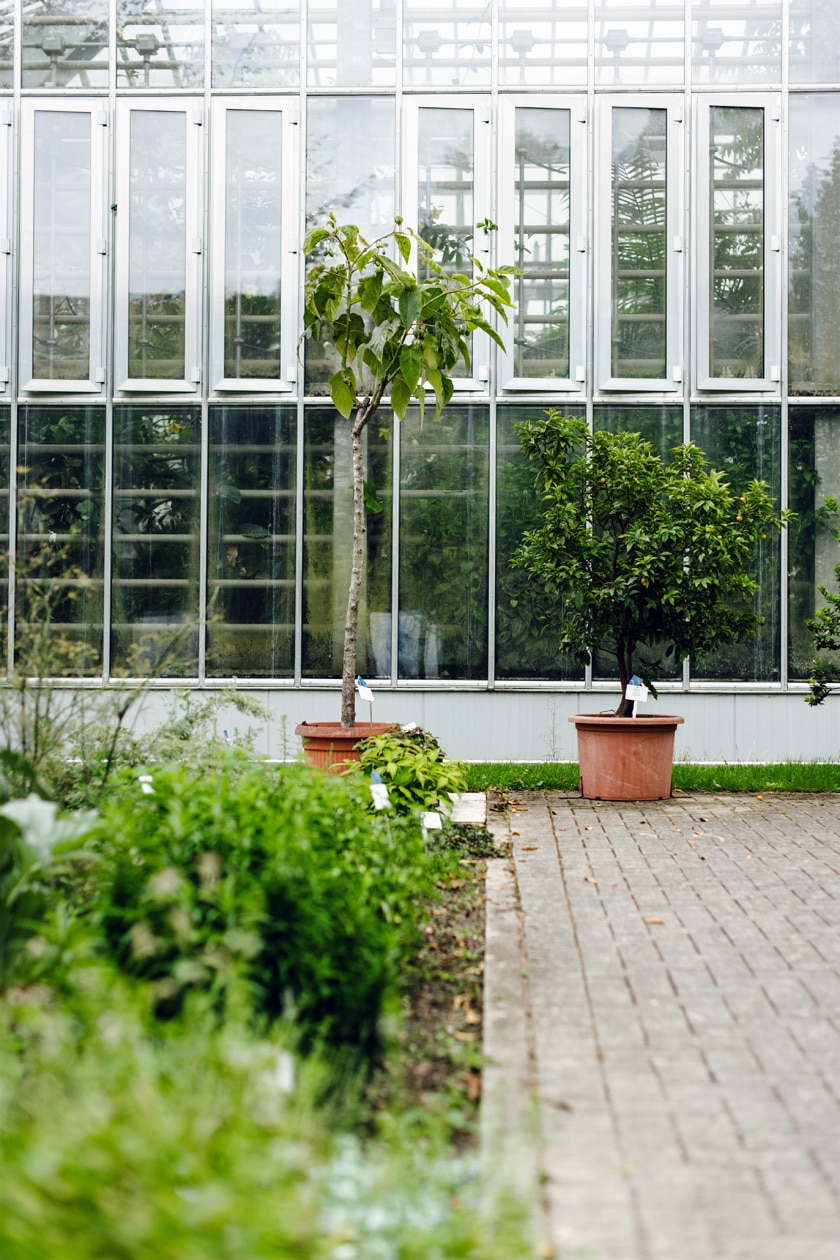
pixel 666 179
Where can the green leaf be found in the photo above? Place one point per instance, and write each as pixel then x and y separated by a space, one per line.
pixel 400 396
pixel 373 504
pixel 343 393
pixel 410 304
pixel 403 245
pixel 411 364
pixel 370 288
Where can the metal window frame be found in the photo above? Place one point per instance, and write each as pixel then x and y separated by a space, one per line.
pixel 289 192
pixel 480 106
pixel 193 113
pixel 672 383
pixel 773 252
pixel 7 218
pixel 575 106
pixel 94 383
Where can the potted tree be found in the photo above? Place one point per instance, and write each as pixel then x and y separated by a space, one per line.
pixel 398 333
pixel 646 556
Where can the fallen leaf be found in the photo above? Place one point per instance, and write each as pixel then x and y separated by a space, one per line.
pixel 459 1000
pixel 529 848
pixel 457 883
pixel 465 1036
pixel 587 879
pixel 473 1086
pixel 661 922
pixel 614 885
pixel 700 818
pixel 643 822
pixel 692 842
pixel 474 971
pixel 679 829
pixel 703 857
pixel 471 1016
pixel 514 833
pixel 759 798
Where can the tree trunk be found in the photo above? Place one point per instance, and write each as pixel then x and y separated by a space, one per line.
pixel 351 622
pixel 624 653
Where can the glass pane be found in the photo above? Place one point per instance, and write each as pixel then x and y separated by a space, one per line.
pixel 813 551
pixel 251 551
pixel 256 44
pixel 157 245
pixel 60 544
pixel 447 44
pixel 736 301
pixel 746 443
pixel 65 44
pixel 157 464
pixel 527 613
pixel 328 539
pixel 814 283
pixel 351 45
pixel 639 290
pixel 349 170
pixel 663 428
pixel 61 279
pixel 542 43
pixel 446 187
pixel 541 243
pixel 640 42
pixel 814 41
pixel 443 544
pixel 7 43
pixel 161 47
pixel 253 245
pixel 736 44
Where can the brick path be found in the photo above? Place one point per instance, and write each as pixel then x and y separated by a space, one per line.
pixel 669 990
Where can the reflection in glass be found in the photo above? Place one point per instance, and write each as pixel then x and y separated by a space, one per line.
pixel 157 461
pixel 5 472
pixel 349 170
pixel 814 41
pixel 251 549
pixel 60 541
pixel 327 545
pixel 814 284
pixel 813 551
pixel 641 42
pixel 527 613
pixel 61 279
pixel 253 216
pixel 736 306
pixel 445 203
pixel 443 544
pixel 65 44
pixel 542 43
pixel 541 242
pixel 157 245
pixel 745 443
pixel 256 45
pixel 639 288
pixel 737 45
pixel 7 43
pixel 446 44
pixel 351 45
pixel 160 47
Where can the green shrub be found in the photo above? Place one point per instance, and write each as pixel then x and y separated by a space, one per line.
pixel 281 877
pixel 202 1144
pixel 414 768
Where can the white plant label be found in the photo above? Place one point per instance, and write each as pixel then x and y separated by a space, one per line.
pixel 365 693
pixel 636 693
pixel 379 792
pixel 431 821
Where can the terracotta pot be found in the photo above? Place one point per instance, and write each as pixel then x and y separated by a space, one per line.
pixel 328 745
pixel 623 758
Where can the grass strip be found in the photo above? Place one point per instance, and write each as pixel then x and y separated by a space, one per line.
pixel 562 776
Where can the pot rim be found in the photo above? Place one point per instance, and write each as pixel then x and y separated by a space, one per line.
pixel 612 719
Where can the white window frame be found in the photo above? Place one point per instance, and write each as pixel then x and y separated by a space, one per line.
pixel 290 165
pixel 95 381
pixel 483 245
pixel 672 382
pixel 578 244
pixel 194 118
pixel 773 244
pixel 6 220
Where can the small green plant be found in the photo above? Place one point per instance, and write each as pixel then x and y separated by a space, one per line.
pixel 825 626
pixel 414 768
pixel 644 553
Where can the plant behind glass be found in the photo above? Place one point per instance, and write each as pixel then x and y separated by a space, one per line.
pixel 643 552
pixel 396 334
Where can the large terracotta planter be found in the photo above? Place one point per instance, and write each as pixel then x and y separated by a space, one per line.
pixel 328 745
pixel 625 759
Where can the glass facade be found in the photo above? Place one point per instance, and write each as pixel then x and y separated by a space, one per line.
pixel 666 179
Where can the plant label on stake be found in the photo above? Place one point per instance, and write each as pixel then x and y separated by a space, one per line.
pixel 365 693
pixel 636 691
pixel 379 791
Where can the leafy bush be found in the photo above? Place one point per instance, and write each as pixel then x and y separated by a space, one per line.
pixel 204 1144
pixel 281 877
pixel 414 768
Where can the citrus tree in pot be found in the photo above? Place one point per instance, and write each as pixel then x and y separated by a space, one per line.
pixel 646 554
pixel 398 331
